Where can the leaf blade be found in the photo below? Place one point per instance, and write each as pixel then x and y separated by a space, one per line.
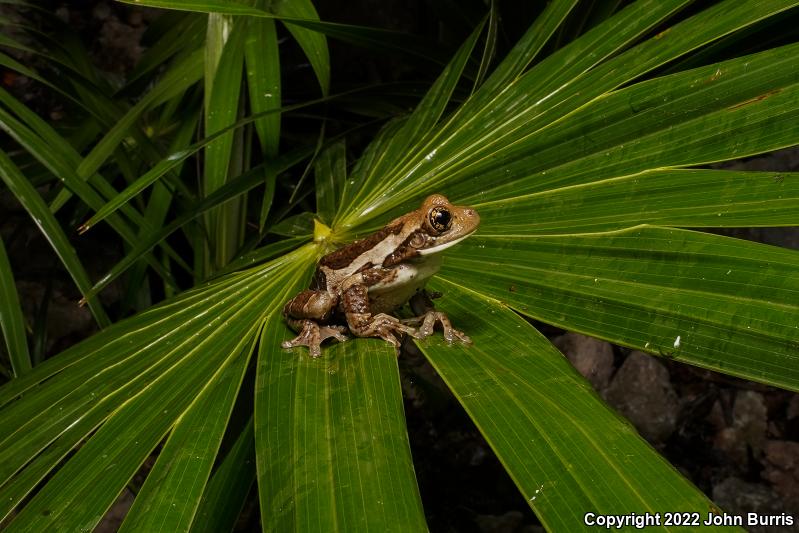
pixel 711 301
pixel 330 438
pixel 171 494
pixel 192 362
pixel 11 319
pixel 564 448
pixel 312 43
pixel 48 225
pixel 677 198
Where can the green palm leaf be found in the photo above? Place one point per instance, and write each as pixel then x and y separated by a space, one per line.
pixel 11 320
pixel 579 164
pixel 331 441
pixel 662 290
pixel 27 195
pixel 567 452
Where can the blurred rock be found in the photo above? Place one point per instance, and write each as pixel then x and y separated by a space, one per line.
pixel 591 357
pixel 750 416
pixel 505 523
pixel 641 390
pixel 101 11
pixel 793 407
pixel 738 497
pixel 748 429
pixel 782 468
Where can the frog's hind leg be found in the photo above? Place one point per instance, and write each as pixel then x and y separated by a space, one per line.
pixel 363 323
pixel 422 305
pixel 313 335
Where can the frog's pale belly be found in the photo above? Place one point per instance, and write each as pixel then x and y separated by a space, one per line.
pixel 405 280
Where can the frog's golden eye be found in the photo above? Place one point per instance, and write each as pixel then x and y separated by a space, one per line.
pixel 440 219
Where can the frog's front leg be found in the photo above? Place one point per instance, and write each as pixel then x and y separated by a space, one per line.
pixel 363 323
pixel 422 305
pixel 303 314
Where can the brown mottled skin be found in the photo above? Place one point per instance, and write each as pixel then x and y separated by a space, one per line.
pixel 365 281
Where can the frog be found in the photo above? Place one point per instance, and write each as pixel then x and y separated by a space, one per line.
pixel 358 288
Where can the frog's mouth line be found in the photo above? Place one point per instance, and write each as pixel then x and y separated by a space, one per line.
pixel 442 247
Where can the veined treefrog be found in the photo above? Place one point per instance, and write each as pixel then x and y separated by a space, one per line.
pixel 361 283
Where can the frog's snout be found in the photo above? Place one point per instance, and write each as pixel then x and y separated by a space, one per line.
pixel 471 215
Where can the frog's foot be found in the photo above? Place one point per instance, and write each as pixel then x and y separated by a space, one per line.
pixel 313 335
pixel 428 322
pixel 384 326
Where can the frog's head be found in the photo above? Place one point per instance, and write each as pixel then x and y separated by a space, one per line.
pixel 442 225
pixel 422 233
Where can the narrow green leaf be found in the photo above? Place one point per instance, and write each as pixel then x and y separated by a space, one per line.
pixel 139 411
pixel 262 254
pixel 372 155
pixel 121 344
pixel 564 448
pixel 549 91
pixel 234 188
pixel 185 35
pixel 299 225
pixel 171 494
pixel 312 43
pixel 203 6
pixel 30 200
pixel 416 127
pixel 177 79
pixel 552 100
pixel 489 47
pixel 526 49
pixel 81 491
pixel 155 213
pixel 225 55
pixel 175 160
pixel 60 158
pixel 224 63
pixel 715 302
pixel 11 319
pixel 762 124
pixel 330 172
pixel 376 39
pixel 688 198
pixel 648 110
pixel 263 78
pixel 227 490
pixel 93 379
pixel 81 396
pixel 331 443
pixel 55 153
pixel 15 65
pixel 537 92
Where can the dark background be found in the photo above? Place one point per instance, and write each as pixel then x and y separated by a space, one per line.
pixel 736 440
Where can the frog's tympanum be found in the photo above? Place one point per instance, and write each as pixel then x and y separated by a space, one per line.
pixel 361 283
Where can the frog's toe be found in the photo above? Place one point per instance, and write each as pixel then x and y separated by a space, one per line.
pixel 450 334
pixel 313 335
pixel 429 321
pixel 335 332
pixel 390 337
